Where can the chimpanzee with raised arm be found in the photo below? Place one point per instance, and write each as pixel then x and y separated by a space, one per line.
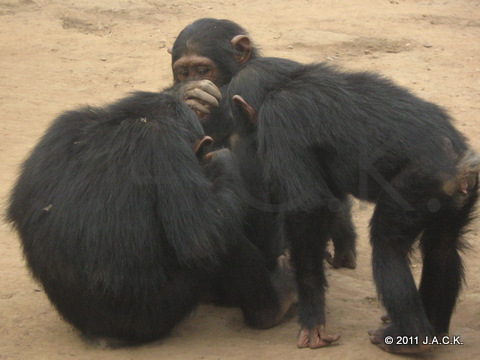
pixel 205 57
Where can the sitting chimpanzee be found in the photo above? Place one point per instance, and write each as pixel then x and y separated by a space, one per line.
pixel 321 134
pixel 126 223
pixel 205 57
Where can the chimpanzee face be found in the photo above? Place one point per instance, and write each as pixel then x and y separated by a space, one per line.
pixel 196 67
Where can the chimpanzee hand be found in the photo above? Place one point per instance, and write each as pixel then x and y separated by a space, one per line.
pixel 222 155
pixel 218 163
pixel 200 96
pixel 221 167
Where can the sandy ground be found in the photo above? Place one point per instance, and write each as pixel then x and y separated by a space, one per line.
pixel 55 55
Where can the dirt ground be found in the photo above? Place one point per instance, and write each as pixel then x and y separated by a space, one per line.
pixel 56 55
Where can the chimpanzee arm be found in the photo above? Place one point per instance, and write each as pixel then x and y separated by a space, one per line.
pixel 195 211
pixel 290 144
pixel 210 105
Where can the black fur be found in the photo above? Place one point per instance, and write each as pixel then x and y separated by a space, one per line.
pixel 212 38
pixel 321 134
pixel 126 228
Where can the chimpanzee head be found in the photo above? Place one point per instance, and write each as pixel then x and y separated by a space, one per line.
pixel 249 88
pixel 211 49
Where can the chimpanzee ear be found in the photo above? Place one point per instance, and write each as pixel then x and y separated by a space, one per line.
pixel 246 107
pixel 207 140
pixel 243 46
pixel 169 50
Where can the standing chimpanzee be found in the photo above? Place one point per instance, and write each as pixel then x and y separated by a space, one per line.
pixel 205 57
pixel 126 224
pixel 321 134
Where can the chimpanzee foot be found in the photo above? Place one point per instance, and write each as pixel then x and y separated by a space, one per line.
pixel 283 281
pixel 347 259
pixel 385 318
pixel 315 337
pixel 388 343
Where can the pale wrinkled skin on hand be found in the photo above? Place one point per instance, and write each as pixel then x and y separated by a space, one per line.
pixel 201 96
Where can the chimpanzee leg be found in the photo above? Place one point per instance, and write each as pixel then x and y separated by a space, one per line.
pixel 263 296
pixel 442 266
pixel 116 320
pixel 398 219
pixel 307 233
pixel 343 237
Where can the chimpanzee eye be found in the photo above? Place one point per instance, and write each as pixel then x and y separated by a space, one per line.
pixel 182 74
pixel 203 70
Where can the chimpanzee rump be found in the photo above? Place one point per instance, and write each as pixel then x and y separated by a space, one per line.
pixel 205 56
pixel 125 227
pixel 322 134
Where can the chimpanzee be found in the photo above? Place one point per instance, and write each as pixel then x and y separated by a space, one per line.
pixel 126 223
pixel 205 56
pixel 321 134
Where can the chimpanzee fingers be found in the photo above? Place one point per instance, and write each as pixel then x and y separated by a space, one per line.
pixel 217 155
pixel 209 156
pixel 200 102
pixel 203 96
pixel 219 164
pixel 210 88
pixel 199 108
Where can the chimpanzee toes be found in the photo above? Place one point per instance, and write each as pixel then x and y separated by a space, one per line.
pixel 315 337
pixel 347 260
pixel 375 335
pixel 303 340
pixel 385 318
pixel 390 343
